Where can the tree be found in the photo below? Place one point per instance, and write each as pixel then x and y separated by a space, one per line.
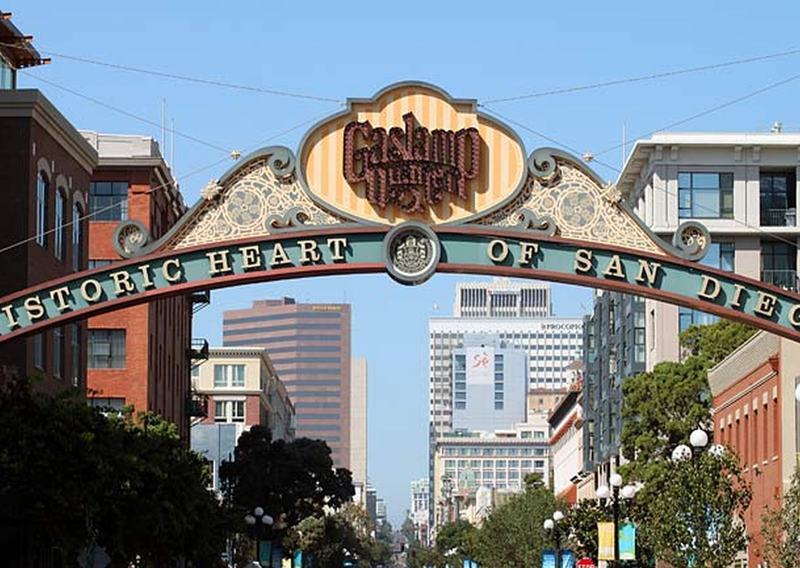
pixel 662 407
pixel 781 529
pixel 513 534
pixel 330 539
pixel 691 512
pixel 72 478
pixel 290 480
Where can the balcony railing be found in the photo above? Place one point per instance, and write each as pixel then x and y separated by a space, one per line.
pixel 779 217
pixel 786 279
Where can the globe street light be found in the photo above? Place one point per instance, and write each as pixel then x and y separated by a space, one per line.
pixel 698 439
pixel 613 494
pixel 257 520
pixel 552 525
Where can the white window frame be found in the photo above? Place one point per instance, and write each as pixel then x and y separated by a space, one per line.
pixel 231 375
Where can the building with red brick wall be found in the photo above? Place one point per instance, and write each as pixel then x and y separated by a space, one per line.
pixel 137 356
pixel 45 167
pixel 309 345
pixel 754 416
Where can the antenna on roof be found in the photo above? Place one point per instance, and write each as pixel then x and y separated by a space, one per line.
pixel 777 127
pixel 172 145
pixel 163 126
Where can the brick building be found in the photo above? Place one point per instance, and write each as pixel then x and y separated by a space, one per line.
pixel 241 389
pixel 137 356
pixel 309 344
pixel 754 415
pixel 45 167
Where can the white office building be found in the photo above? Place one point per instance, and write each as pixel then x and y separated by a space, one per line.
pixel 551 344
pixel 502 298
pixel 742 186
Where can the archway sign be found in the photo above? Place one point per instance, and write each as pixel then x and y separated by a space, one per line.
pixel 409 182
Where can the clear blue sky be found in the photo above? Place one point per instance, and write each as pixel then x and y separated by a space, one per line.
pixel 337 49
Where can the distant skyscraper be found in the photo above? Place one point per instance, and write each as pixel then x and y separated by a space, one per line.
pixel 551 344
pixel 502 298
pixel 418 513
pixel 358 424
pixel 309 345
pixel 490 384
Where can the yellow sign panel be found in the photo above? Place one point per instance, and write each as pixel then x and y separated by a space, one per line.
pixel 605 541
pixel 412 153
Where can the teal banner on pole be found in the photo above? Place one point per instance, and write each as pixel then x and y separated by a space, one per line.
pixel 297 560
pixel 627 542
pixel 567 559
pixel 548 559
pixel 265 553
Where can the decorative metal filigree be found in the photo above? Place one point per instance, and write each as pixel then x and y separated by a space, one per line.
pixel 211 191
pixel 576 204
pixel 130 238
pixel 412 251
pixel 531 222
pixel 261 198
pixel 693 239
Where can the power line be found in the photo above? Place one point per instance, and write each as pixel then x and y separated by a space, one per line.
pixel 640 78
pixel 123 112
pixel 708 111
pixel 664 190
pixel 190 79
pixel 575 151
pixel 161 186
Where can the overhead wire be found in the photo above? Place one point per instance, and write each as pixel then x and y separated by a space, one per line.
pixel 161 186
pixel 662 189
pixel 648 77
pixel 707 111
pixel 187 78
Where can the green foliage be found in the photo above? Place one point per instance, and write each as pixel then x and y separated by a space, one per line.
pixel 781 529
pixel 71 479
pixel 290 480
pixel 582 520
pixel 691 512
pixel 333 538
pixel 512 535
pixel 712 343
pixel 662 407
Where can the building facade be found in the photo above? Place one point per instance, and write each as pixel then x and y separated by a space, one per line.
pixel 465 461
pixel 490 384
pixel 742 186
pixel 241 387
pixel 137 356
pixel 614 349
pixel 240 390
pixel 502 298
pixel 309 345
pixel 755 415
pixel 551 344
pixel 418 511
pixel 566 444
pixel 358 425
pixel 49 165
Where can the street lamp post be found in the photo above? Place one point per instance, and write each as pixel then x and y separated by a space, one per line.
pixel 257 520
pixel 614 493
pixel 552 525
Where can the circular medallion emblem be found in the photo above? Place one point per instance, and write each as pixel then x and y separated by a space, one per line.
pixel 412 252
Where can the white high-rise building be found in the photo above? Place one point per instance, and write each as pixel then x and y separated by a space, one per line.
pixel 358 426
pixel 418 513
pixel 502 298
pixel 551 344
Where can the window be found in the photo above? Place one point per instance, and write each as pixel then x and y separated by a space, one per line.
pixel 777 199
pixel 779 264
pixel 229 411
pixel 59 226
pixel 42 189
pixel 720 255
pixel 108 200
pixel 705 195
pixel 98 262
pixel 76 354
pixel 39 351
pixel 106 348
pixel 59 352
pixel 228 375
pixel 77 237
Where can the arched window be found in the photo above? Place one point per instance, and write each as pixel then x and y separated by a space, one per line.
pixel 60 224
pixel 77 237
pixel 42 189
